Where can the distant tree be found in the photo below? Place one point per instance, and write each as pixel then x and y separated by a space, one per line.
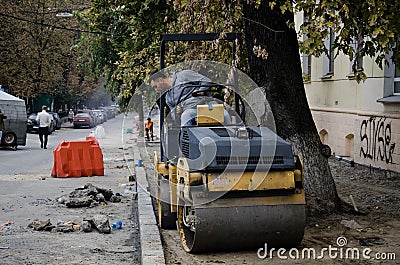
pixel 126 51
pixel 36 55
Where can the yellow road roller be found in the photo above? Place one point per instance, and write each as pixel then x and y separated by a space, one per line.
pixel 229 186
pixel 226 185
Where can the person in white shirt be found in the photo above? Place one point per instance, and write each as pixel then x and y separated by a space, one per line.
pixel 71 116
pixel 44 120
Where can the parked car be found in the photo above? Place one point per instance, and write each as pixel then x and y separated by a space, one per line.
pixel 100 116
pixel 83 119
pixel 92 114
pixel 104 114
pixel 57 120
pixel 32 125
pixel 110 112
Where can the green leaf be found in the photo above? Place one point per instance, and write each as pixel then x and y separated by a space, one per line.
pixel 272 4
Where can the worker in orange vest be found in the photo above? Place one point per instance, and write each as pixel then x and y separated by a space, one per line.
pixel 149 129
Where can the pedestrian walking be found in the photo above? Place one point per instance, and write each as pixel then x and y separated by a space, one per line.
pixel 44 120
pixel 71 115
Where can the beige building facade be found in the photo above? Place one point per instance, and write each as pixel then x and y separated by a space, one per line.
pixel 359 121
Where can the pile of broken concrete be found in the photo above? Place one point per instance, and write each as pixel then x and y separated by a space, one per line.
pixel 85 196
pixel 98 222
pixel 89 196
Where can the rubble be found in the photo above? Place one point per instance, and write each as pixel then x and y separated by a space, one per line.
pixel 85 196
pixel 101 223
pixel 115 198
pixel 98 222
pixel 6 224
pixel 73 202
pixel 67 227
pixel 89 196
pixel 86 226
pixel 38 225
pixel 352 224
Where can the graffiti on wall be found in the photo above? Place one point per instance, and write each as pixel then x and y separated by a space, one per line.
pixel 376 140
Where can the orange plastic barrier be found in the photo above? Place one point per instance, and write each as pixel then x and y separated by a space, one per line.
pixel 93 139
pixel 78 159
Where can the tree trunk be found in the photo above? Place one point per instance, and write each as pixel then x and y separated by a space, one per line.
pixel 280 75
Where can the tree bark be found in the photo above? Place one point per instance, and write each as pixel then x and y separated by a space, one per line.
pixel 280 75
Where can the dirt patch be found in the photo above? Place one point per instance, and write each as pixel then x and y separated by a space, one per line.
pixel 376 194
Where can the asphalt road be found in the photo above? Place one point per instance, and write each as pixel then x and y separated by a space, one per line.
pixel 25 197
pixel 32 159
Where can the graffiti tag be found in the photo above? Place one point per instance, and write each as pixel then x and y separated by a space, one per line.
pixel 376 136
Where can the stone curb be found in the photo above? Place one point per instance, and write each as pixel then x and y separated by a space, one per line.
pixel 150 241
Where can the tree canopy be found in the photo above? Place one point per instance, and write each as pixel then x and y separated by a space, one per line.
pixel 375 25
pixel 128 51
pixel 121 38
pixel 36 55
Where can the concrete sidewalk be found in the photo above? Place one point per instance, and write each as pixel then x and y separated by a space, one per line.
pixel 150 241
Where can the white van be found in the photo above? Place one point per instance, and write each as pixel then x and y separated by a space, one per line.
pixel 12 121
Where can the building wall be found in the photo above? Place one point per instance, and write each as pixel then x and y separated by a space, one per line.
pixel 369 138
pixel 342 90
pixel 348 117
pixel 378 142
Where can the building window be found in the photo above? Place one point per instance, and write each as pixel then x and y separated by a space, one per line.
pixel 323 135
pixel 306 67
pixel 349 145
pixel 396 81
pixel 306 57
pixel 329 59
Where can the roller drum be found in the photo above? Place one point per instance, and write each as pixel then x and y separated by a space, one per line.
pixel 242 227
